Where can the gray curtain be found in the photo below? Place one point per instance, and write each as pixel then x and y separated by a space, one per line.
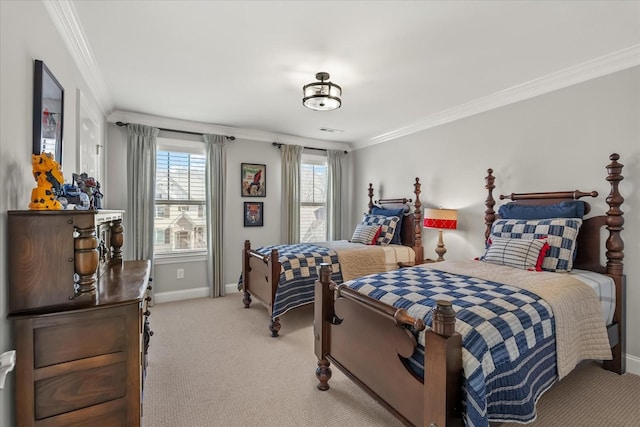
pixel 291 155
pixel 141 173
pixel 334 194
pixel 215 172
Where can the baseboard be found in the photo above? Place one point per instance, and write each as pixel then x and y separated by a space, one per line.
pixel 231 288
pixel 633 364
pixel 161 297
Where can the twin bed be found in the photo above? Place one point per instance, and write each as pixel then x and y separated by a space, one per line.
pixel 471 342
pixel 282 277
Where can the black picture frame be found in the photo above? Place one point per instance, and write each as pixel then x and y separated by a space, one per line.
pixel 253 180
pixel 48 112
pixel 253 214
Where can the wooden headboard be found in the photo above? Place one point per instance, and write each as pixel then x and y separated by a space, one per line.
pixel 411 234
pixel 590 248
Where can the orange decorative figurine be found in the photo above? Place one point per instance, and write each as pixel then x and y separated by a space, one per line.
pixel 49 179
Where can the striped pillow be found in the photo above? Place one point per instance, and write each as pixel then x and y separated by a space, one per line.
pixel 367 234
pixel 561 234
pixel 387 226
pixel 526 254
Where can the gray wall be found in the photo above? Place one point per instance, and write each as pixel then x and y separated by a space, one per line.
pixel 554 142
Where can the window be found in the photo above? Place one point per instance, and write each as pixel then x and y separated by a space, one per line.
pixel 313 198
pixel 180 223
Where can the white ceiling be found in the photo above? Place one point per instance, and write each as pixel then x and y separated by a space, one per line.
pixel 403 65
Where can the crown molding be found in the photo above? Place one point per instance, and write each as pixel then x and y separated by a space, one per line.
pixel 608 64
pixel 64 17
pixel 200 127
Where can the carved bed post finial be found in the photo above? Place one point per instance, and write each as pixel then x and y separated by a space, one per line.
pixel 489 214
pixel 370 197
pixel 615 220
pixel 417 213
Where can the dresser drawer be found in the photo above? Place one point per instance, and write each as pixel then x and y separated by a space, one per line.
pixel 80 389
pixel 79 339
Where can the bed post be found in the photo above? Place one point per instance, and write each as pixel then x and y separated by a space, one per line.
pixel 274 264
pixel 370 205
pixel 489 213
pixel 417 223
pixel 246 300
pixel 615 255
pixel 322 315
pixel 442 369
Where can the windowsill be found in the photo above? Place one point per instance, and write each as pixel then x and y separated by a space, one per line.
pixel 195 256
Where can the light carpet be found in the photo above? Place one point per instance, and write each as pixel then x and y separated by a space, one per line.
pixel 213 363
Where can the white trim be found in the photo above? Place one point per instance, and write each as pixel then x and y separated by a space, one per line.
pixel 633 364
pixel 65 19
pixel 163 259
pixel 185 294
pixel 608 64
pixel 231 288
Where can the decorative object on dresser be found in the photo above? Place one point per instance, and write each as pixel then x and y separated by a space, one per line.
pixel 440 219
pixel 49 179
pixel 80 319
pixel 418 376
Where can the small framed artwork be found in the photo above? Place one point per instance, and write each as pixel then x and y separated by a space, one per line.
pixel 254 180
pixel 253 216
pixel 48 106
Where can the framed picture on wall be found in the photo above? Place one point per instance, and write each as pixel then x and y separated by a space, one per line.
pixel 254 180
pixel 48 108
pixel 253 216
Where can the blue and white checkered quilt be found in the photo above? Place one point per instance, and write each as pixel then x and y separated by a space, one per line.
pixel 299 274
pixel 509 351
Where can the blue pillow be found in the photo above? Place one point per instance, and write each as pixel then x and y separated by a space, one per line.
pixel 570 209
pixel 392 212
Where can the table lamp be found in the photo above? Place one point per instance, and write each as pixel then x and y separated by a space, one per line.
pixel 440 219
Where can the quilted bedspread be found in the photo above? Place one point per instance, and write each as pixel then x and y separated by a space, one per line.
pixel 299 268
pixel 510 334
pixel 299 273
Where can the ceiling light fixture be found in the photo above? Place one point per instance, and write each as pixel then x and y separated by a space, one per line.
pixel 322 95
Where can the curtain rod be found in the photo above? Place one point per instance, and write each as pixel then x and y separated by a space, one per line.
pixel 279 144
pixel 232 138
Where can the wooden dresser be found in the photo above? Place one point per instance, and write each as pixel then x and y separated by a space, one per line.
pixel 80 359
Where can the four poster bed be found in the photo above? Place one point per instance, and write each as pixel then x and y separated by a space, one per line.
pixel 469 342
pixel 282 277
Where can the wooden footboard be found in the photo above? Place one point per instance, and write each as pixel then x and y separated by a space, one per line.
pixel 260 276
pixel 369 340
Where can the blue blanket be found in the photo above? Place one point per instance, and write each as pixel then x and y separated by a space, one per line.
pixel 509 351
pixel 300 263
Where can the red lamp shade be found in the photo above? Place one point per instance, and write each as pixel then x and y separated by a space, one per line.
pixel 440 218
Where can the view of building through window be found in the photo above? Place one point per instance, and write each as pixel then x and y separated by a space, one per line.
pixel 180 221
pixel 313 198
